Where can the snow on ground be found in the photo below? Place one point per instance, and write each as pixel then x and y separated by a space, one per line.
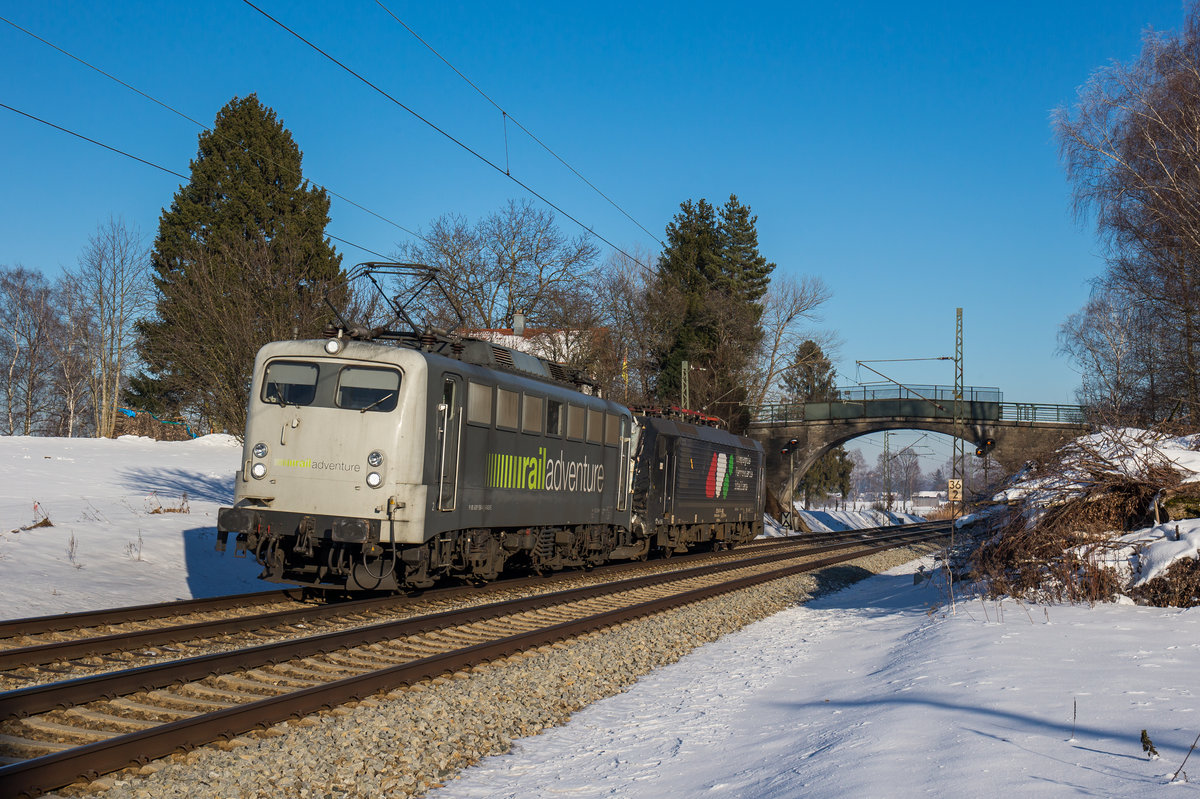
pixel 107 546
pixel 834 521
pixel 872 691
pixel 822 521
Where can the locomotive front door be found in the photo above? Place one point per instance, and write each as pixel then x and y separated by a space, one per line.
pixel 449 435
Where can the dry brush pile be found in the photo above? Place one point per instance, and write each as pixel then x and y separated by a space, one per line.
pixel 1059 539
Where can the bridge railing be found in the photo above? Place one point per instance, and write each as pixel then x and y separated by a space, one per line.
pixel 1038 412
pixel 777 413
pixel 785 413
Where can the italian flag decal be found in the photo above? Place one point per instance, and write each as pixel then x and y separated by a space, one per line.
pixel 719 472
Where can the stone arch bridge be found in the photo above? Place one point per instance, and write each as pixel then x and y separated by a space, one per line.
pixel 1018 431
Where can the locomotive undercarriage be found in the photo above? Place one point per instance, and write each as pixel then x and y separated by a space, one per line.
pixel 347 555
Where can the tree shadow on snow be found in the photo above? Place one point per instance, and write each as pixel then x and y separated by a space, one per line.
pixel 1022 726
pixel 889 592
pixel 171 484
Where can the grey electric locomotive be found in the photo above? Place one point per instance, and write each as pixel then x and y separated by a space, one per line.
pixel 373 466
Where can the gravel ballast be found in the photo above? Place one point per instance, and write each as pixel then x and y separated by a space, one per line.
pixel 406 741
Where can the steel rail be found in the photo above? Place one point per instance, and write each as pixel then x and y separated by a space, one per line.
pixel 36 625
pixel 41 774
pixel 93 618
pixel 41 654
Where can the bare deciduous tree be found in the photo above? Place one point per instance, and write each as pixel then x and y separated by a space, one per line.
pixel 1114 341
pixel 789 306
pixel 73 371
pixel 112 278
pixel 236 299
pixel 516 259
pixel 27 320
pixel 641 311
pixel 1132 152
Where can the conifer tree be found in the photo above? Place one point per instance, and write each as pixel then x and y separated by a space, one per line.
pixel 691 265
pixel 713 262
pixel 811 378
pixel 747 271
pixel 240 258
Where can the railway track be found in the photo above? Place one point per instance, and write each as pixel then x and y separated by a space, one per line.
pixel 54 734
pixel 30 658
pixel 47 649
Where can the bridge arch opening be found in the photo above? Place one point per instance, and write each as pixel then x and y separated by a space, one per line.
pixel 933 448
pixel 1018 431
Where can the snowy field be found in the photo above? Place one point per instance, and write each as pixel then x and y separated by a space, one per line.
pixel 118 535
pixel 880 689
pixel 871 692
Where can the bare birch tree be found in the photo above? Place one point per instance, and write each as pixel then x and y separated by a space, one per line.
pixel 112 278
pixel 73 372
pixel 1115 341
pixel 26 327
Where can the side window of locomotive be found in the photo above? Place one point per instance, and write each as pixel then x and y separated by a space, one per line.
pixel 595 425
pixel 479 403
pixel 531 416
pixel 290 383
pixel 612 429
pixel 554 417
pixel 368 388
pixel 508 404
pixel 576 422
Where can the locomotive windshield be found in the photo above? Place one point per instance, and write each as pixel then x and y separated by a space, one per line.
pixel 290 383
pixel 331 385
pixel 363 388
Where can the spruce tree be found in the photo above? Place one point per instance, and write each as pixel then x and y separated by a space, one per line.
pixel 690 264
pixel 746 270
pixel 713 263
pixel 811 378
pixel 240 258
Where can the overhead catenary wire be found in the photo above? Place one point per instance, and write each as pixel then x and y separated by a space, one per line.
pixel 506 116
pixel 461 144
pixel 148 163
pixel 93 141
pixel 200 124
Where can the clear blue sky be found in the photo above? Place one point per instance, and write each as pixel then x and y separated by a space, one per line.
pixel 901 151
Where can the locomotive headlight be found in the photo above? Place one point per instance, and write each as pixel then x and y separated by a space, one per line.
pixel 260 450
pixel 375 459
pixel 333 346
pixel 374 480
pixel 258 470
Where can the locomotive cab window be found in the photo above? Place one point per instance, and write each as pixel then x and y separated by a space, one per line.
pixel 290 383
pixel 508 404
pixel 531 416
pixel 479 403
pixel 366 388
